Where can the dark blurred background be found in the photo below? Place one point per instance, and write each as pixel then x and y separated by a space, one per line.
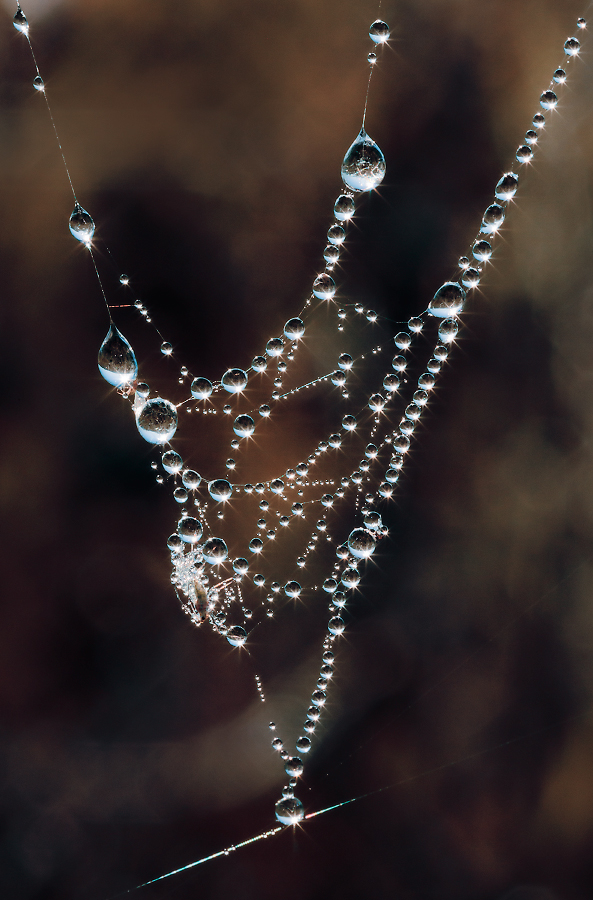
pixel 205 137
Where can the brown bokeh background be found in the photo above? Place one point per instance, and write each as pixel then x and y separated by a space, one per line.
pixel 205 138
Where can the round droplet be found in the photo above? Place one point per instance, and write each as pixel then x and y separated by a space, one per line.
pixel 399 363
pixel 402 340
pixel 234 381
pixel 277 485
pixel 482 251
pixel 391 475
pixel 572 47
pixel 20 21
pixel 582 23
pixel 174 543
pixel 318 699
pixel 201 388
pixel 507 186
pixel 463 262
pixel 289 811
pixel 330 585
pixel 166 348
pixel 350 577
pixel 292 589
pixel 372 58
pixel 191 480
pixel 303 744
pixel 294 767
pixel 172 462
pixel 38 83
pixel 157 421
pixel 244 426
pixel 335 440
pixel 524 154
pixel 336 625
pixel 220 490
pixel 215 551
pixel 236 636
pixel 345 361
pixel 361 544
pixel 336 235
pixel 189 529
pixel 559 76
pixel 117 362
pixel 331 254
pixel 379 32
pixel 294 329
pixel 275 347
pixel 81 225
pixel 240 565
pixel 531 137
pixel 492 219
pixel 344 208
pixel 349 423
pixel 259 364
pixel 448 330
pixel 363 168
pixel 539 120
pixel 256 545
pixel 548 100
pixel 123 279
pixel 324 287
pixel 180 495
pixel 338 378
pixel 391 383
pixel 448 300
pixel 470 278
pixel 376 402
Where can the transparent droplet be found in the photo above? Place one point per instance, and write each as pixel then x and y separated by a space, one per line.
pixel 172 462
pixel 507 186
pixel 189 529
pixel 524 154
pixel 20 21
pixel 391 475
pixel 294 329
pixel 372 520
pixel 289 811
pixel 180 495
pixel 81 225
pixel 345 362
pixel 240 565
pixel 448 300
pixel 294 767
pixel 482 251
pixel 336 625
pixel 220 490
pixel 531 137
pixel 234 381
pixel 336 235
pixel 470 278
pixel 349 423
pixel 548 100
pixel 292 589
pixel 123 279
pixel 372 58
pixel 256 545
pixel 174 543
pixel 402 340
pixel 559 76
pixel 324 287
pixel 166 348
pixel 259 364
pixel 399 363
pixel 492 219
pixel 39 83
pixel 264 410
pixel 379 32
pixel 539 120
pixel 338 378
pixel 191 480
pixel 236 636
pixel 116 360
pixel 201 388
pixel 318 699
pixel 581 23
pixel 363 168
pixel 448 330
pixel 376 402
pixel 426 381
pixel 441 351
pixel 463 262
pixel 215 551
pixel 344 208
pixel 157 421
pixel 401 443
pixel 391 383
pixel 303 744
pixel 361 544
pixel 572 46
pixel 330 585
pixel 275 347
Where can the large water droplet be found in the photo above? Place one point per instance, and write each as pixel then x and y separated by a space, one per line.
pixel 361 544
pixel 236 636
pixel 572 46
pixel 191 480
pixel 336 235
pixel 215 551
pixel 172 462
pixel 189 529
pixel 244 426
pixel 303 744
pixel 157 421
pixel 294 329
pixel 363 167
pixel 324 287
pixel 20 21
pixel 507 186
pixel 234 381
pixel 294 767
pixel 220 490
pixel 379 32
pixel 117 362
pixel 482 251
pixel 448 300
pixel 289 811
pixel 81 224
pixel 292 589
pixel 548 100
pixel 275 347
pixel 201 388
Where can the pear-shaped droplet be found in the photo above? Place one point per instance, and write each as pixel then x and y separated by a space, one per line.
pixel 448 300
pixel 157 421
pixel 20 21
pixel 81 225
pixel 39 83
pixel 117 362
pixel 364 164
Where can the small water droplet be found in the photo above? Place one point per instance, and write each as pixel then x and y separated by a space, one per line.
pixel 470 278
pixel 492 219
pixel 275 347
pixel 531 137
pixel 448 300
pixel 172 462
pixel 559 76
pixel 402 340
pixel 157 421
pixel 215 551
pixel 572 46
pixel 240 565
pixel 524 153
pixel 234 381
pixel 363 168
pixel 81 225
pixel 191 480
pixel 294 329
pixel 372 58
pixel 39 83
pixel 539 120
pixel 507 186
pixel 548 100
pixel 220 490
pixel 292 589
pixel 344 208
pixel 189 529
pixel 20 21
pixel 166 348
pixel 448 330
pixel 581 23
pixel 236 636
pixel 379 31
pixel 482 251
pixel 123 279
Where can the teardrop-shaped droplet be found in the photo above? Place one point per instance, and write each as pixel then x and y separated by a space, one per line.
pixel 364 164
pixel 157 421
pixel 39 83
pixel 379 32
pixel 20 21
pixel 81 225
pixel 448 300
pixel 507 187
pixel 117 362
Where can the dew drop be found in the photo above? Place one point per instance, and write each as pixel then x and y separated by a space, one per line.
pixel 507 186
pixel 289 811
pixel 215 551
pixel 116 360
pixel 20 21
pixel 244 426
pixel 256 545
pixel 336 235
pixel 336 625
pixel 379 32
pixel 294 767
pixel 524 153
pixel 372 58
pixel 201 388
pixel 344 208
pixel 191 480
pixel 123 279
pixel 39 83
pixel 492 219
pixel 81 225
pixel 345 362
pixel 391 383
pixel 470 278
pixel 240 565
pixel 236 636
pixel 349 423
pixel 402 340
pixel 363 168
pixel 361 543
pixel 220 490
pixel 275 347
pixel 189 529
pixel 350 577
pixel 234 381
pixel 172 462
pixel 538 120
pixel 572 46
pixel 174 543
pixel 294 329
pixel 559 76
pixel 292 589
pixel 157 421
pixel 482 251
pixel 448 330
pixel 180 495
pixel 448 300
pixel 548 100
pixel 259 364
pixel 581 23
pixel 324 287
pixel 166 348
pixel 303 744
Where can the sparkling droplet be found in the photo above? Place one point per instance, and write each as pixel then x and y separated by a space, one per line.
pixel 336 235
pixel 582 23
pixel 303 744
pixel 189 529
pixel 236 636
pixel 402 340
pixel 81 225
pixel 379 32
pixel 507 186
pixel 524 154
pixel 415 325
pixel 20 21
pixel 157 421
pixel 363 168
pixel 215 551
pixel 220 490
pixel 256 546
pixel 292 589
pixel 259 364
pixel 372 520
pixel 548 100
pixel 372 58
pixel 324 287
pixel 180 495
pixel 391 383
pixel 234 381
pixel 117 362
pixel 289 811
pixel 482 251
pixel 244 426
pixel 350 577
pixel 123 279
pixel 38 83
pixel 538 120
pixel 174 543
pixel 559 76
pixel 492 219
pixel 376 402
pixel 166 348
pixel 275 347
pixel 344 208
pixel 191 480
pixel 448 330
pixel 201 388
pixel 345 362
pixel 240 565
pixel 349 423
pixel 336 625
pixel 172 462
pixel 572 46
pixel 294 767
pixel 470 278
pixel 448 300
pixel 294 329
pixel 318 698
pixel 361 544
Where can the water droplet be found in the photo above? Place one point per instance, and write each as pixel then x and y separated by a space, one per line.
pixel 401 443
pixel 294 329
pixel 157 421
pixel 324 287
pixel 289 811
pixel 244 426
pixel 215 551
pixel 507 186
pixel 220 490
pixel 548 100
pixel 166 348
pixel 379 32
pixel 336 235
pixel 361 544
pixel 376 402
pixel 234 381
pixel 264 410
pixel 191 480
pixel 256 546
pixel 350 577
pixel 236 636
pixel 344 208
pixel 303 744
pixel 470 278
pixel 292 589
pixel 559 76
pixel 448 330
pixel 180 495
pixel 582 23
pixel 363 167
pixel 372 520
pixel 336 625
pixel 345 361
pixel 372 58
pixel 20 21
pixel 275 347
pixel 482 251
pixel 39 83
pixel 294 767
pixel 189 529
pixel 349 423
pixel 399 363
pixel 492 219
pixel 259 364
pixel 81 225
pixel 524 154
pixel 402 340
pixel 123 279
pixel 240 565
pixel 539 120
pixel 116 360
pixel 448 300
pixel 391 383
pixel 172 462
pixel 531 137
pixel 201 388
pixel 572 46
pixel 174 543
